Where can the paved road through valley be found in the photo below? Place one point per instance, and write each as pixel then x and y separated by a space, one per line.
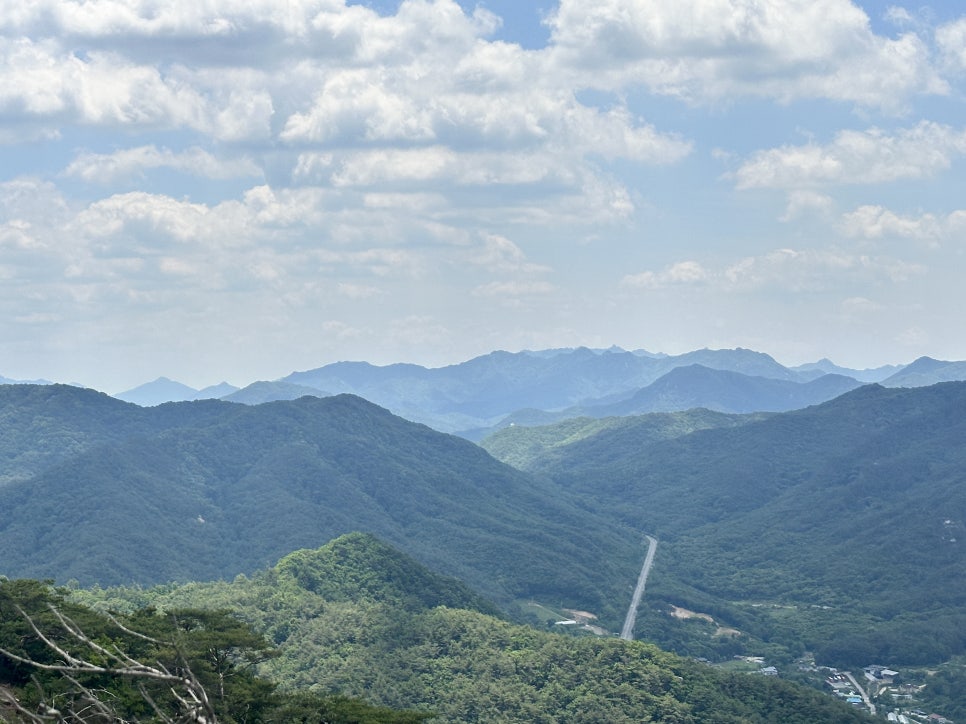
pixel 627 633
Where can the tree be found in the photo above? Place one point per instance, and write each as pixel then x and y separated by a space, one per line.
pixel 62 662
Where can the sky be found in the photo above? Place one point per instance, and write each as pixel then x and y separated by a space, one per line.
pixel 233 190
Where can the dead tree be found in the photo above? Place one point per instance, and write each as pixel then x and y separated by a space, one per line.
pixel 83 704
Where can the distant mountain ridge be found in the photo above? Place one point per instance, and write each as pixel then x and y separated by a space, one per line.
pixel 164 390
pixel 475 396
pixel 696 386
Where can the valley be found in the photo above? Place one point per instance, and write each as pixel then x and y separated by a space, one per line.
pixel 776 529
pixel 627 631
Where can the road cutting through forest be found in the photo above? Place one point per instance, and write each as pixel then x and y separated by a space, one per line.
pixel 627 633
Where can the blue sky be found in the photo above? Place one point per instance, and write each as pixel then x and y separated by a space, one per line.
pixel 236 189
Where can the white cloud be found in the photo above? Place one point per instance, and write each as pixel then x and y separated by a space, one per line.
pixel 145 19
pixel 711 50
pixel 140 216
pixel 501 255
pixel 513 289
pixel 421 98
pixel 814 270
pixel 681 273
pixel 802 202
pixel 131 162
pixel 856 157
pixel 359 291
pixel 31 200
pixel 858 308
pixel 43 81
pixel 951 41
pixel 19 235
pixel 874 222
pixel 790 270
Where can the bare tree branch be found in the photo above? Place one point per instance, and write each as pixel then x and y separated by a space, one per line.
pixel 87 706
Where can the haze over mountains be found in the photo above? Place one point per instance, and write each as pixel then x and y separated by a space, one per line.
pixel 539 387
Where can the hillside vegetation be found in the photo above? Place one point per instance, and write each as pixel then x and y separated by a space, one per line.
pixel 206 490
pixel 851 513
pixel 357 618
pixel 837 529
pixel 62 662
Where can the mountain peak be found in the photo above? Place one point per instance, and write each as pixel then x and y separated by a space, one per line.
pixel 359 566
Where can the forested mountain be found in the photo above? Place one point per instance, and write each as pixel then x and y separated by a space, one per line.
pixel 852 512
pixel 44 425
pixel 696 386
pixel 926 371
pixel 164 390
pixel 259 392
pixel 826 367
pixel 475 396
pixel 481 392
pixel 533 448
pixel 358 618
pixel 108 492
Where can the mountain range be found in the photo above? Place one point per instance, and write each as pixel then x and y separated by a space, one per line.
pixel 852 512
pixel 748 508
pixel 835 529
pixel 538 387
pixel 103 491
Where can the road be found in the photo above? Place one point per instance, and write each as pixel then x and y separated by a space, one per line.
pixel 861 691
pixel 627 633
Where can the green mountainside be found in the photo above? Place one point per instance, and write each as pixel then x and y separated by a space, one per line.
pixel 534 448
pixel 206 490
pixel 357 618
pixel 839 528
pixel 63 662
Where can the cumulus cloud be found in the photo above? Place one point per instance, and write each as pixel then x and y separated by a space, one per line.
pixel 951 42
pixel 874 222
pixel 420 97
pixel 709 50
pixel 814 270
pixel 358 291
pixel 791 270
pixel 513 289
pixel 358 152
pixel 499 254
pixel 681 273
pixel 133 162
pixel 804 201
pixel 855 157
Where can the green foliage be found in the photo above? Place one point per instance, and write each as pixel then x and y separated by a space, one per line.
pixel 535 448
pixel 208 490
pixel 838 529
pixel 851 514
pixel 368 637
pixel 358 566
pixel 210 646
pixel 943 691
